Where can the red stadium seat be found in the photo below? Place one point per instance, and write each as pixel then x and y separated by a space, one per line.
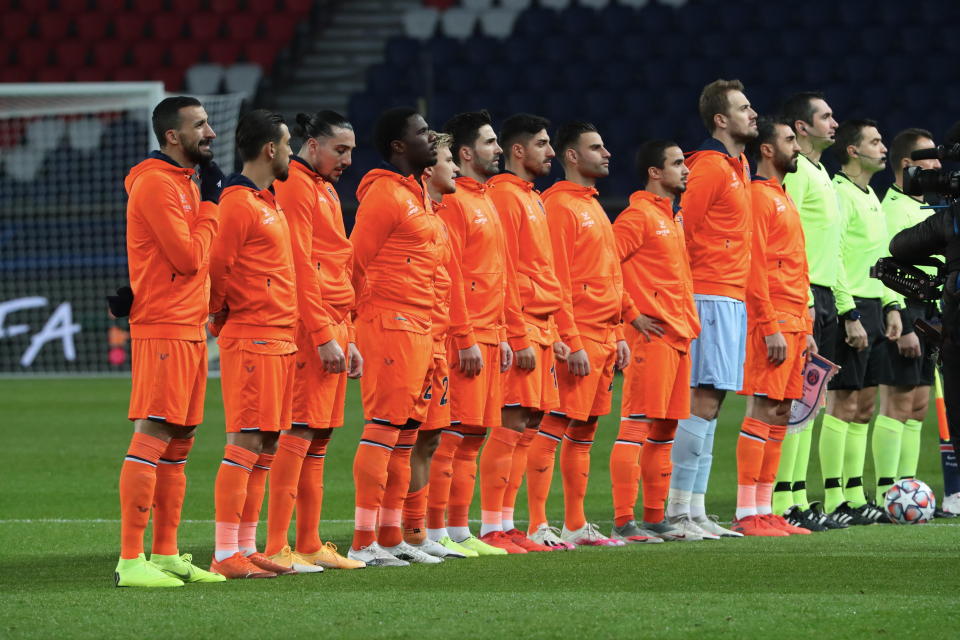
pixel 299 7
pixel 167 26
pixel 280 28
pixel 263 54
pixel 130 74
pixel 73 54
pixel 91 74
pixel 224 52
pixel 205 26
pixel 72 6
pixel 6 53
pixel 129 27
pixel 111 6
pixel 110 54
pixel 33 53
pixel 223 6
pixel 149 54
pixel 53 26
pixel 172 79
pixel 185 53
pixel 242 26
pixel 149 6
pixel 53 74
pixel 16 26
pixel 91 26
pixel 16 74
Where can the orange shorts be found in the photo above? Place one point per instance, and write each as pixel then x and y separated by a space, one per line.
pixel 257 381
pixel 438 395
pixel 398 351
pixel 169 380
pixel 582 397
pixel 761 378
pixel 656 385
pixel 536 389
pixel 318 396
pixel 476 401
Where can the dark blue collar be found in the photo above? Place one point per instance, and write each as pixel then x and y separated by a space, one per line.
pixel 160 155
pixel 712 144
pixel 296 158
pixel 239 180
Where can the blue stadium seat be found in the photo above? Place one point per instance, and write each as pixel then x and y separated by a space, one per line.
pixel 444 51
pixel 518 102
pixel 578 20
pixel 481 51
pixel 402 52
pixel 517 51
pixel 579 75
pixel 536 22
pixel 617 19
pixel 616 75
pixel 535 78
pixel 656 18
pixel 876 40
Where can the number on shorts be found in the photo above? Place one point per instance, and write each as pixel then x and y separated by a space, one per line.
pixel 553 372
pixel 446 388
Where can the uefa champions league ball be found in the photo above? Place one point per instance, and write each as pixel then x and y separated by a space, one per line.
pixel 909 501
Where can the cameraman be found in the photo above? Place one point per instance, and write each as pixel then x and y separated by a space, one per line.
pixel 904 402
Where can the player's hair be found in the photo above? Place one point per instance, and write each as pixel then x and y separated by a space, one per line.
pixel 319 125
pixel 520 128
pixel 850 132
pixel 568 135
pixel 255 129
pixel 464 128
pixel 652 153
pixel 390 126
pixel 166 115
pixel 903 143
pixel 799 106
pixel 715 99
pixel 766 133
pixel 443 141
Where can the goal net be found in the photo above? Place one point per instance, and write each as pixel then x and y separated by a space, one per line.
pixel 65 150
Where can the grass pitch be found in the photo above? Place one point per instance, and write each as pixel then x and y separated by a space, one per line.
pixel 64 441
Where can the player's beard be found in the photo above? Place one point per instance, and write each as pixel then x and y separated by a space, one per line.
pixel 198 155
pixel 281 171
pixel 786 163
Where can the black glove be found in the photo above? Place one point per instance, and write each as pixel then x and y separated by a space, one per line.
pixel 211 182
pixel 121 303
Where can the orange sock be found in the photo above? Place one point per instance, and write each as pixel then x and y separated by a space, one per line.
pixel 518 469
pixel 496 461
pixel 230 493
pixel 750 445
pixel 464 476
pixel 256 488
pixel 625 468
pixel 310 497
pixel 284 479
pixel 168 496
pixel 575 472
pixel 414 515
pixel 541 459
pixel 138 479
pixel 768 469
pixel 441 476
pixel 370 479
pixel 656 468
pixel 398 485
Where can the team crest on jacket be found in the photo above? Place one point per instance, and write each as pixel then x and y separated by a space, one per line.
pixel 268 217
pixel 585 220
pixel 781 207
pixel 412 208
pixel 479 217
pixel 184 203
pixel 734 180
pixel 662 228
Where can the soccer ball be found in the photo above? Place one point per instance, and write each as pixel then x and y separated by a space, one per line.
pixel 910 501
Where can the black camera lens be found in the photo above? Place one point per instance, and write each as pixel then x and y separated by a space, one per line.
pixel 917 182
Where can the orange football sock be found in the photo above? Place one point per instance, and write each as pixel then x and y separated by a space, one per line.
pixel 768 469
pixel 415 515
pixel 541 459
pixel 398 485
pixel 496 462
pixel 284 479
pixel 464 476
pixel 441 476
pixel 750 445
pixel 138 479
pixel 625 468
pixel 256 488
pixel 656 468
pixel 575 472
pixel 168 496
pixel 230 493
pixel 310 497
pixel 518 469
pixel 370 479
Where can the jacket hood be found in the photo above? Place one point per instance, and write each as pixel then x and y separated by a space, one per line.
pixel 511 177
pixel 388 172
pixel 155 161
pixel 571 188
pixel 709 148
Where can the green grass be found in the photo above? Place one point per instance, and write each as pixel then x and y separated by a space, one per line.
pixel 64 440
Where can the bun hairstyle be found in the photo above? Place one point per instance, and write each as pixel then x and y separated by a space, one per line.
pixel 320 124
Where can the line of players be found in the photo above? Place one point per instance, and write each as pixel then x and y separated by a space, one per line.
pixel 474 310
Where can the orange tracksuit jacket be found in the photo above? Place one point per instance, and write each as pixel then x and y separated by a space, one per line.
pixel 524 220
pixel 586 263
pixel 169 235
pixel 779 278
pixel 251 268
pixel 716 209
pixel 656 269
pixel 395 254
pixel 489 277
pixel 450 305
pixel 322 254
